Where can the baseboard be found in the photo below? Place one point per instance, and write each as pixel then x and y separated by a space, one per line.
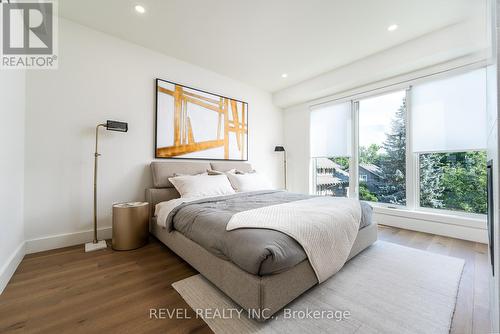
pixel 11 265
pixel 434 227
pixel 64 240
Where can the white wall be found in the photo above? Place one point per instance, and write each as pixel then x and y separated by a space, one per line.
pixel 296 123
pixel 12 104
pixel 101 77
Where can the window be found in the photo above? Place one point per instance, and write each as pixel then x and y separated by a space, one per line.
pixel 451 156
pixel 453 181
pixel 382 148
pixel 423 147
pixel 331 149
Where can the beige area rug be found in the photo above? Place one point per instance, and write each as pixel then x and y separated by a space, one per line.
pixel 386 289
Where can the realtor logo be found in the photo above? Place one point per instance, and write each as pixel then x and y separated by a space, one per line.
pixel 28 35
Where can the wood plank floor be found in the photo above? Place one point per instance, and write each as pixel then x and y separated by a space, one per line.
pixel 67 290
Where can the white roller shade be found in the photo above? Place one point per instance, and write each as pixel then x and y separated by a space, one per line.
pixel 450 114
pixel 331 130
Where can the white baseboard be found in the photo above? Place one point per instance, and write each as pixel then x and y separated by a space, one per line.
pixel 65 240
pixel 434 227
pixel 11 265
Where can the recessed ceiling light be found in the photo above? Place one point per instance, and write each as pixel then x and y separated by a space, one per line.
pixel 140 9
pixel 284 75
pixel 392 27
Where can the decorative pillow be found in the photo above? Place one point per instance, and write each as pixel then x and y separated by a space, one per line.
pixel 202 185
pixel 248 182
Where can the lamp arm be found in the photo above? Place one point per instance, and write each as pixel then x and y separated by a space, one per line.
pixel 96 156
pixel 97 136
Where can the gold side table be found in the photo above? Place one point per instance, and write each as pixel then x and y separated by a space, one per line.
pixel 130 225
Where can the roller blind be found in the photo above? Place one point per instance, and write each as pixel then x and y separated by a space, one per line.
pixel 330 130
pixel 450 114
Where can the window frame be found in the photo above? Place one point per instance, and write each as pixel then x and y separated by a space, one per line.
pixel 412 159
pixel 356 149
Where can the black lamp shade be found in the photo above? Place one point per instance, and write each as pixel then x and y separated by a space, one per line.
pixel 279 149
pixel 116 126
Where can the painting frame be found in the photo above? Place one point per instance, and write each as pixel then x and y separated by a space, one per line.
pixel 244 124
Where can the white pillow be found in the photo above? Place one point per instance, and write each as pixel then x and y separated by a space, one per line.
pixel 248 182
pixel 202 185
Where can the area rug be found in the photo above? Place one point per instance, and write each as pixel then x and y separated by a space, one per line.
pixel 387 288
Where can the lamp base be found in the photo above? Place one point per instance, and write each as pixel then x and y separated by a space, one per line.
pixel 90 246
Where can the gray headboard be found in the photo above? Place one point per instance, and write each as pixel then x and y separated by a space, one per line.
pixel 161 170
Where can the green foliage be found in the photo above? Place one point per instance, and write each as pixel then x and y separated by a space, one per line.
pixel 464 182
pixel 431 188
pixel 393 161
pixel 454 181
pixel 342 162
pixel 365 194
pixel 370 154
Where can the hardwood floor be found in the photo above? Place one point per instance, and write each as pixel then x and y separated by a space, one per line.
pixel 67 290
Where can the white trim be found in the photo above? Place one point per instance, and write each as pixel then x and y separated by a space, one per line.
pixel 452 151
pixel 64 240
pixel 11 265
pixel 410 172
pixel 354 178
pixel 432 227
pixel 458 220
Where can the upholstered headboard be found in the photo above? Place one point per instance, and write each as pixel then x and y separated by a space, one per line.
pixel 161 170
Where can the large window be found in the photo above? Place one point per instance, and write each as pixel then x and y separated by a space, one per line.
pixel 382 148
pixel 422 147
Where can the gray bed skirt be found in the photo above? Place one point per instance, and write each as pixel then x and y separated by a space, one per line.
pixel 263 295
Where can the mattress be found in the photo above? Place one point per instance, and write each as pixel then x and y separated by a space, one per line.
pixel 256 251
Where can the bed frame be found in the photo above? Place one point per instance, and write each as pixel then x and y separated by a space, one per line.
pixel 261 295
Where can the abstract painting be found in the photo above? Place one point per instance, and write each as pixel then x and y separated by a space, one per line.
pixel 193 124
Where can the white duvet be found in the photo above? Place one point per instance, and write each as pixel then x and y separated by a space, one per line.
pixel 325 227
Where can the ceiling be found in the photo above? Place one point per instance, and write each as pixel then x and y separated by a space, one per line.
pixel 257 41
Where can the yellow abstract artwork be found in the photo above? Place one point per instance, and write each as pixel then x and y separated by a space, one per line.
pixel 194 124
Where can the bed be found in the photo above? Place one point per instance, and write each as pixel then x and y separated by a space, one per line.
pixel 261 287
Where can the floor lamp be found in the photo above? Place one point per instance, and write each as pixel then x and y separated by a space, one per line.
pixel 282 149
pixel 111 126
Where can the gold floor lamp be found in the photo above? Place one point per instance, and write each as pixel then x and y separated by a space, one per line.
pixel 112 126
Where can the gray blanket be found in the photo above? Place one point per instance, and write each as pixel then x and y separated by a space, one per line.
pixel 257 251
